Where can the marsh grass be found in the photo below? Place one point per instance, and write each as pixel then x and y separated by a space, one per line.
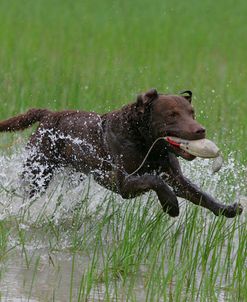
pixel 97 55
pixel 133 252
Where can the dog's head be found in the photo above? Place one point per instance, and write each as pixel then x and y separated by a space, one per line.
pixel 170 115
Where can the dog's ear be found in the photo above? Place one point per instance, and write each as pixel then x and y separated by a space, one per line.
pixel 144 99
pixel 187 94
pixel 151 94
pixel 140 103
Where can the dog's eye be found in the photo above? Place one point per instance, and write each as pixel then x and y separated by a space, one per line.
pixel 173 114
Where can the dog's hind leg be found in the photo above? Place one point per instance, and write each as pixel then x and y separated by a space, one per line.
pixel 39 165
pixel 37 174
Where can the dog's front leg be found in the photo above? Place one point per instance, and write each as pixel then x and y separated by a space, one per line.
pixel 131 186
pixel 184 188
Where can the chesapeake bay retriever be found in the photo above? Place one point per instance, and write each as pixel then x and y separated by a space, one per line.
pixel 113 145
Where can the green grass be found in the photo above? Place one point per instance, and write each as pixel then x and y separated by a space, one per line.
pixel 97 55
pixel 135 253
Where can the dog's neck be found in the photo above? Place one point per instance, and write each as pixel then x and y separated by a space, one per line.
pixel 130 124
pixel 140 124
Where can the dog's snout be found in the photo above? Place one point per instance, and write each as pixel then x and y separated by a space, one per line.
pixel 201 130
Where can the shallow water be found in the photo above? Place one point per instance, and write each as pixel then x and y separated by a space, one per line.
pixel 34 272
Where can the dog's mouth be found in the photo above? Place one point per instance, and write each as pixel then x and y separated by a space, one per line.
pixel 175 146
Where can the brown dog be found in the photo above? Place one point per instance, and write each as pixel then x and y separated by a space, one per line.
pixel 113 145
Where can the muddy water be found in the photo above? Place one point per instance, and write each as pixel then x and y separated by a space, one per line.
pixel 38 275
pixel 39 280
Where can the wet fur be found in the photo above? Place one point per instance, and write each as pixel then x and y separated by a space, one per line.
pixel 111 146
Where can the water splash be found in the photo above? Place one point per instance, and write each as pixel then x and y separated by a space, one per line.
pixel 65 192
pixel 68 189
pixel 227 185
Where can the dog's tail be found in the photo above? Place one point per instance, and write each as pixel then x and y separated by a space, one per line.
pixel 23 121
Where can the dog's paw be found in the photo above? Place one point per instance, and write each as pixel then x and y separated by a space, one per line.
pixel 173 211
pixel 233 210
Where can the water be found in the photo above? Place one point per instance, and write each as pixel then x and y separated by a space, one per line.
pixel 70 187
pixel 32 272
